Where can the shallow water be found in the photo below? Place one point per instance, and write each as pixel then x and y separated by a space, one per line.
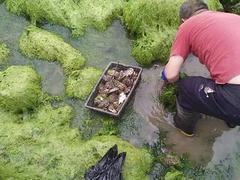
pixel 11 27
pixel 144 115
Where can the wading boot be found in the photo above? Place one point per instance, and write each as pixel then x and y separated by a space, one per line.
pixel 230 125
pixel 185 121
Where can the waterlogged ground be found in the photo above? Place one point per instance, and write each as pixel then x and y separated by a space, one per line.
pixel 144 116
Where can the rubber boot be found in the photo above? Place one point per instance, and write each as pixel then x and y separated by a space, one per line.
pixel 185 120
pixel 230 125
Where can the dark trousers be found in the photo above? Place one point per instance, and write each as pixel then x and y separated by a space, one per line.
pixel 198 94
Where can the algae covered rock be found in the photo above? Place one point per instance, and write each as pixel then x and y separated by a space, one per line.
pixel 154 46
pixel 4 52
pixel 153 24
pixel 19 88
pixel 39 43
pixel 44 147
pixel 74 14
pixel 175 175
pixel 80 83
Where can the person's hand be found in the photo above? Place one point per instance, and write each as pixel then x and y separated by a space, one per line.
pixel 164 78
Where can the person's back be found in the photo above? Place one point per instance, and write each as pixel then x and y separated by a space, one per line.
pixel 215 38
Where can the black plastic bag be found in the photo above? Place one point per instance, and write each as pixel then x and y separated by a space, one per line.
pixel 109 167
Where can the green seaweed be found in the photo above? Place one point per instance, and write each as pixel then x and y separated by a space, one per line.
pixel 4 53
pixel 36 42
pixel 98 126
pixel 154 46
pixel 175 175
pixel 39 43
pixel 168 97
pixel 74 14
pixel 44 147
pixel 168 94
pixel 232 6
pixel 214 4
pixel 80 83
pixel 20 88
pixel 153 23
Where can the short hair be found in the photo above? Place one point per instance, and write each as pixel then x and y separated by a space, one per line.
pixel 189 7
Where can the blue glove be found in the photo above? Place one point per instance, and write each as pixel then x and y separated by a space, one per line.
pixel 163 77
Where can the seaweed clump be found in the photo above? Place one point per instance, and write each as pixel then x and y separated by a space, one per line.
pixel 74 14
pixel 168 94
pixel 168 97
pixel 36 42
pixel 153 24
pixel 42 146
pixel 80 82
pixel 232 6
pixel 4 52
pixel 19 88
pixel 39 43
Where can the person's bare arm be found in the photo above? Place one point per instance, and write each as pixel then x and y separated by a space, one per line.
pixel 173 68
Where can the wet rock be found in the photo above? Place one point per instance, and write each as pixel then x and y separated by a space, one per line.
pixel 81 83
pixel 20 88
pixel 38 43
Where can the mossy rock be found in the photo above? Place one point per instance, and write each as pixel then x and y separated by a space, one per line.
pixel 144 16
pixel 39 43
pixel 74 14
pixel 153 23
pixel 44 147
pixel 80 83
pixel 19 88
pixel 4 53
pixel 175 175
pixel 154 46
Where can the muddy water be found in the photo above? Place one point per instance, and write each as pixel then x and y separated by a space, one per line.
pixel 147 105
pixel 144 115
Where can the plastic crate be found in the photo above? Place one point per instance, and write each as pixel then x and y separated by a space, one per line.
pixel 90 101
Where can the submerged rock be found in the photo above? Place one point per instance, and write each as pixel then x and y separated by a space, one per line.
pixel 153 24
pixel 19 88
pixel 43 146
pixel 74 14
pixel 80 83
pixel 39 43
pixel 4 52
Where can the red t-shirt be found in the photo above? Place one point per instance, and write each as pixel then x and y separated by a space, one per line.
pixel 214 37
